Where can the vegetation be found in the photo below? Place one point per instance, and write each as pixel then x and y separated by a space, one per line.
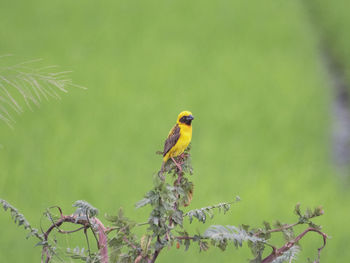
pixel 165 227
pixel 30 83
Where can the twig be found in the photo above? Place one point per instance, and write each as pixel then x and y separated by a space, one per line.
pixel 102 238
pixel 72 231
pixel 155 255
pixel 278 252
pixel 284 227
pixel 186 238
pixel 92 229
pixel 87 241
pixel 142 224
pixel 129 243
pixel 63 219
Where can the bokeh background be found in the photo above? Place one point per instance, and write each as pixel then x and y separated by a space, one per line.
pixel 253 74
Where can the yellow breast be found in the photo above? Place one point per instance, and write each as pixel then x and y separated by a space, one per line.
pixel 182 143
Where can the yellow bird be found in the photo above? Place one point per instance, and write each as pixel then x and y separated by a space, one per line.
pixel 179 138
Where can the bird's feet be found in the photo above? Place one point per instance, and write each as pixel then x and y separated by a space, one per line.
pixel 183 156
pixel 178 165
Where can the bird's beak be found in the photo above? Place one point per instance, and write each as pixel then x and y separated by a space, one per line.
pixel 190 117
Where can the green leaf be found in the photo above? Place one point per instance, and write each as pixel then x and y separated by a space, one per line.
pixel 220 235
pixel 143 202
pixel 84 208
pixel 297 209
pixel 41 243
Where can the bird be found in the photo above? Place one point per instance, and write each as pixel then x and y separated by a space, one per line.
pixel 178 138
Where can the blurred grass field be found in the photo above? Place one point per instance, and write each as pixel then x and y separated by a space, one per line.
pixel 248 70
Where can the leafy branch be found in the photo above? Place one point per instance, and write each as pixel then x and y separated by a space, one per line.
pixel 172 192
pixel 280 253
pixel 84 215
pixel 20 220
pixel 202 213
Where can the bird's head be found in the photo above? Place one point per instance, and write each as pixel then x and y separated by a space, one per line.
pixel 185 117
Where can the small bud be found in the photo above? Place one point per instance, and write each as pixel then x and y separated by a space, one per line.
pixel 297 209
pixel 319 211
pixel 177 245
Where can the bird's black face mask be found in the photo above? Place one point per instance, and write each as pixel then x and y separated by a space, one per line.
pixel 187 119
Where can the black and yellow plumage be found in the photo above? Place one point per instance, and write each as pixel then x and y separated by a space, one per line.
pixel 179 136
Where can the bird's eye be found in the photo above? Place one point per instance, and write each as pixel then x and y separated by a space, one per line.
pixel 186 119
pixel 183 119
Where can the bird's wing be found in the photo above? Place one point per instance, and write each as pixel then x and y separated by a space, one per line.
pixel 172 139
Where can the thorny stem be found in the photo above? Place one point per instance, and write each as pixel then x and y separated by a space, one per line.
pixel 278 252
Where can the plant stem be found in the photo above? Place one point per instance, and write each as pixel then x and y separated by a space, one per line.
pixel 278 252
pixel 102 238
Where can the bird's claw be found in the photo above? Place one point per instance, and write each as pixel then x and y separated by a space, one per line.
pixel 177 165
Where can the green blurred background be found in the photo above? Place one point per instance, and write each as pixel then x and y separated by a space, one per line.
pixel 251 73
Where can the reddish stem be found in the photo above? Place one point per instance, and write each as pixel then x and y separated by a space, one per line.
pixel 102 240
pixel 278 252
pixel 102 237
